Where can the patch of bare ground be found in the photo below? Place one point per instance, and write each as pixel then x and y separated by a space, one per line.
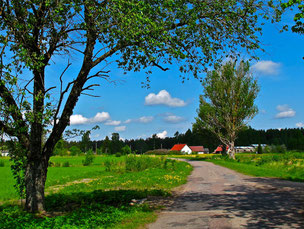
pixel 57 188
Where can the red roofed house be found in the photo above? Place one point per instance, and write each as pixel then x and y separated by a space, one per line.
pixel 182 147
pixel 198 149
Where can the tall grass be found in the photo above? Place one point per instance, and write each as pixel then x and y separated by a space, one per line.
pixel 288 165
pixel 139 163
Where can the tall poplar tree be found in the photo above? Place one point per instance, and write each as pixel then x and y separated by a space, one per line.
pixel 228 102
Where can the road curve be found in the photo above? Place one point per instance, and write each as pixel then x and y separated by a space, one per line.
pixel 217 197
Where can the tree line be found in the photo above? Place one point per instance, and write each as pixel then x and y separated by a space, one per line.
pixel 292 138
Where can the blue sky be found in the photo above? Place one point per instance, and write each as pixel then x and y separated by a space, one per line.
pixel 170 105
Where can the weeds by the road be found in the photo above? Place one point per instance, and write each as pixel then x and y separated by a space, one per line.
pixel 289 166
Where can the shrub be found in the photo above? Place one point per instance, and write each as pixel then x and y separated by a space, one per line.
pixel 118 154
pixel 75 151
pixel 126 150
pixel 139 163
pixel 66 164
pixel 110 165
pixel 57 164
pixel 89 158
pixel 2 164
pixel 259 149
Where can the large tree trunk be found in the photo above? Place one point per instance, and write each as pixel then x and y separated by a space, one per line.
pixel 232 150
pixel 35 177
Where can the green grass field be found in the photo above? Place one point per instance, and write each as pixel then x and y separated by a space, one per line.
pixel 289 166
pixel 102 200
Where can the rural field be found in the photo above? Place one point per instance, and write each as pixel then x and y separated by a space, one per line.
pixel 95 196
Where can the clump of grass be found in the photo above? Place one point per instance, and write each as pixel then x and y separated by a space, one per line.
pixel 139 163
pixel 289 165
pixel 2 164
pixel 89 158
pixel 66 164
pixel 57 164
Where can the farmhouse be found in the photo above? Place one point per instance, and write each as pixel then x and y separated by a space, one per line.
pixel 4 153
pixel 198 149
pixel 188 149
pixel 182 148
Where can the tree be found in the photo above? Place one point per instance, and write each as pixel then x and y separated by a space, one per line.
pixel 298 27
pixel 85 141
pixel 115 143
pixel 227 102
pixel 125 150
pixel 106 146
pixel 75 150
pixel 133 34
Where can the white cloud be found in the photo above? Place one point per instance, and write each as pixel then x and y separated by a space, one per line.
pixel 112 123
pixel 162 134
pixel 163 98
pixel 173 119
pixel 143 119
pixel 100 117
pixel 78 120
pixel 285 112
pixel 120 128
pixel 300 124
pixel 146 119
pixel 267 67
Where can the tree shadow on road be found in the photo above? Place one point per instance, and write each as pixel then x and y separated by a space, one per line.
pixel 269 205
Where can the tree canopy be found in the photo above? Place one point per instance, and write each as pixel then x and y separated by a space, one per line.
pixel 228 101
pixel 134 34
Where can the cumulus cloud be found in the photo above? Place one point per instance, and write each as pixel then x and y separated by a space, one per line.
pixel 100 117
pixel 78 119
pixel 112 123
pixel 267 67
pixel 173 119
pixel 300 124
pixel 164 98
pixel 143 119
pixel 120 128
pixel 162 134
pixel 285 112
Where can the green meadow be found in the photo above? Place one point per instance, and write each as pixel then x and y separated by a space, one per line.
pixel 288 166
pixel 95 196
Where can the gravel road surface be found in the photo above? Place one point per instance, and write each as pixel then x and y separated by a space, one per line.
pixel 217 197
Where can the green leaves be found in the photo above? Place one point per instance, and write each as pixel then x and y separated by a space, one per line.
pixel 228 100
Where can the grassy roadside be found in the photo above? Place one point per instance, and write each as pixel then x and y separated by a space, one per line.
pixel 104 200
pixel 288 166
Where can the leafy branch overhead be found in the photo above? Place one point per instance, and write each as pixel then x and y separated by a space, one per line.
pixel 37 34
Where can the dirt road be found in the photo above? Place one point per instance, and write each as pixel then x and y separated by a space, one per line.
pixel 216 197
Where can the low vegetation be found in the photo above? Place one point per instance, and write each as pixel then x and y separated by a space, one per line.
pixel 289 165
pixel 104 194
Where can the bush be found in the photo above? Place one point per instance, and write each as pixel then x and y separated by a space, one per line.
pixel 2 164
pixel 259 149
pixel 110 165
pixel 89 158
pixel 57 164
pixel 118 154
pixel 75 151
pixel 126 150
pixel 66 164
pixel 139 163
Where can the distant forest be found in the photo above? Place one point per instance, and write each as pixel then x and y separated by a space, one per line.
pixel 293 139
